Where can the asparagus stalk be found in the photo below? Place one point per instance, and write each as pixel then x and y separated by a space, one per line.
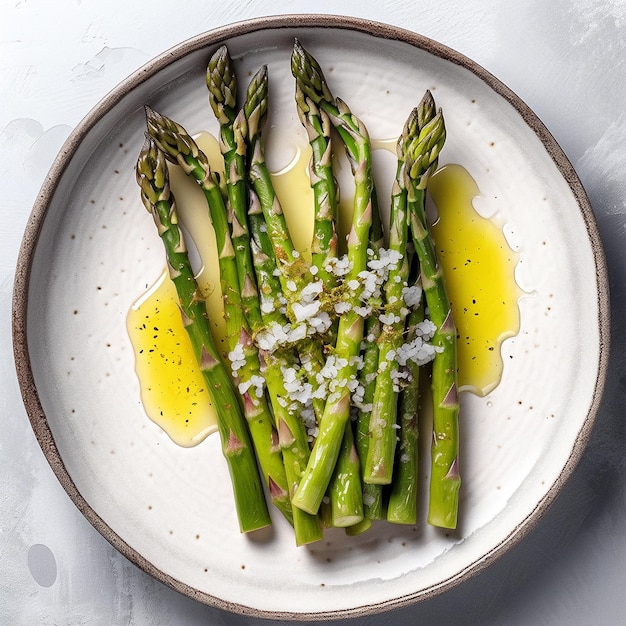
pixel 327 446
pixel 344 492
pixel 279 363
pixel 402 504
pixel 292 435
pixel 445 480
pixel 179 147
pixel 152 177
pixel 346 500
pixel 383 421
pixel 222 85
pixel 323 183
pixel 293 269
pixel 372 494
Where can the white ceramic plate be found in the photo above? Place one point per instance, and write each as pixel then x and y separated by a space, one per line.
pixel 90 249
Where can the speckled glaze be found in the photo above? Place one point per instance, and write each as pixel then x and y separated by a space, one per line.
pixel 90 249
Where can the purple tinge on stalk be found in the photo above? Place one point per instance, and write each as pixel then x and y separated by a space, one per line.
pixel 356 329
pixel 249 403
pixel 245 339
pixel 448 323
pixel 237 228
pixel 207 360
pixel 186 319
pixel 285 436
pixel 354 455
pixel 451 398
pixel 453 472
pixel 234 443
pixel 342 406
pixel 249 288
pixel 275 491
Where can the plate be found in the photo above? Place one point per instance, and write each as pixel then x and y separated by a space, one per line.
pixel 90 250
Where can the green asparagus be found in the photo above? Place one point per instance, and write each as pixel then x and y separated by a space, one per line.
pixel 222 85
pixel 293 270
pixel 402 504
pixel 152 177
pixel 279 362
pixel 312 342
pixel 383 420
pixel 327 446
pixel 323 183
pixel 180 148
pixel 445 479
pixel 344 491
pixel 373 504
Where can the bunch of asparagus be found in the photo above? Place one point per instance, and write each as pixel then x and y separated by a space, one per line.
pixel 319 386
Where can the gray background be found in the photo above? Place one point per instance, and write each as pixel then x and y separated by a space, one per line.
pixel 565 58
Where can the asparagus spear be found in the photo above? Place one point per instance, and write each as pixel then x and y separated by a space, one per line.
pixel 445 480
pixel 402 504
pixel 372 494
pixel 179 147
pixel 344 491
pixel 350 331
pixel 381 449
pixel 250 503
pixel 279 363
pixel 222 85
pixel 293 269
pixel 325 193
pixel 346 500
pixel 291 265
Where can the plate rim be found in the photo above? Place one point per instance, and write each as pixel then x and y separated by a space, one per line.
pixel 26 381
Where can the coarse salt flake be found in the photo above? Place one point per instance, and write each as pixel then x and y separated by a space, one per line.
pixel 342 307
pixel 412 295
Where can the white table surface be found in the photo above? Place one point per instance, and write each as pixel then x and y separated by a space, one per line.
pixel 565 58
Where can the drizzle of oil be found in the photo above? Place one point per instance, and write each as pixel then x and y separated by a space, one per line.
pixel 479 267
pixel 173 392
pixel 293 188
pixel 172 389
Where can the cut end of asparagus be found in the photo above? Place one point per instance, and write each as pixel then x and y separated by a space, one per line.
pixel 309 502
pixel 347 521
pixel 359 528
pixel 444 513
pixel 376 479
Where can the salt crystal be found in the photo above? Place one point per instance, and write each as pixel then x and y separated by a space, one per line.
pixel 412 295
pixel 267 305
pixel 304 312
